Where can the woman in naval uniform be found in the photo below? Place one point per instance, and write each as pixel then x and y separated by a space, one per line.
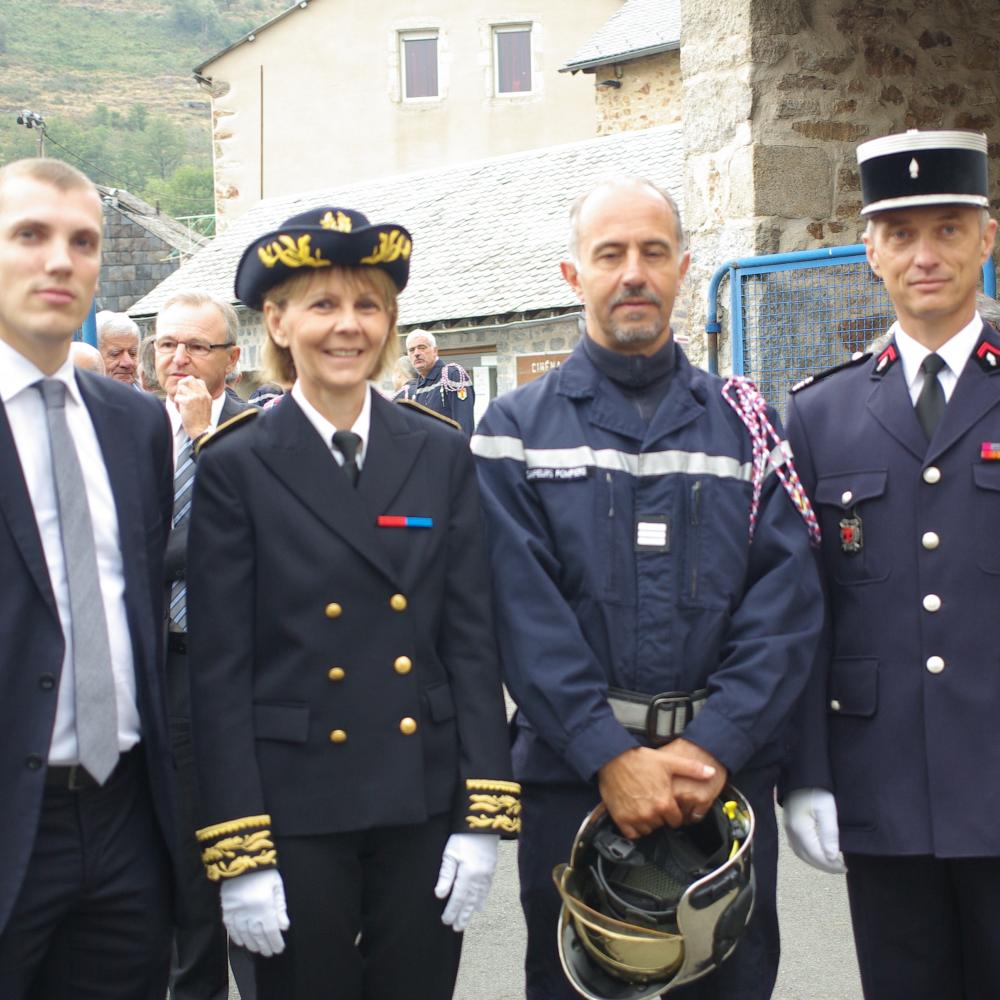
pixel 349 723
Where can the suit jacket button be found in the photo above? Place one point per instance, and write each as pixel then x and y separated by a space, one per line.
pixel 336 673
pixel 338 736
pixel 407 726
pixel 932 602
pixel 403 665
pixel 834 705
pixel 935 664
pixel 46 682
pixel 932 474
pixel 930 540
pixel 334 610
pixel 397 602
pixel 33 762
pixel 846 497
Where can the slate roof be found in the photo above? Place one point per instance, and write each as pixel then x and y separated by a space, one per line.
pixel 639 28
pixel 487 235
pixel 175 234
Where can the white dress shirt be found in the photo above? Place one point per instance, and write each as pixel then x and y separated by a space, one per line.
pixel 361 426
pixel 26 414
pixel 954 352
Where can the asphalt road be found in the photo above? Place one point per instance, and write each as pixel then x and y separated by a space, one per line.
pixel 817 962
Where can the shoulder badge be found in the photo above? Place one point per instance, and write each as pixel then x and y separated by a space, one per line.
pixel 856 359
pixel 225 428
pixel 987 355
pixel 420 408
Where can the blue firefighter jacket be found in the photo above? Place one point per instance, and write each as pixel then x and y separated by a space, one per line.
pixel 621 557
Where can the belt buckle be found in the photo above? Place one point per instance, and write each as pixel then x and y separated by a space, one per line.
pixel 73 784
pixel 674 700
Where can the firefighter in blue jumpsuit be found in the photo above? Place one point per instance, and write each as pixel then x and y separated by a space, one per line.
pixel 901 455
pixel 620 493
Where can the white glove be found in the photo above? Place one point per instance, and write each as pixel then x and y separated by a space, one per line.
pixel 253 910
pixel 467 872
pixel 811 826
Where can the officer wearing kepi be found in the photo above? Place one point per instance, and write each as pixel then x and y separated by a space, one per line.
pixel 643 544
pixel 900 452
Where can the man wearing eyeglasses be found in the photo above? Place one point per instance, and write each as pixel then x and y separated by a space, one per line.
pixel 194 348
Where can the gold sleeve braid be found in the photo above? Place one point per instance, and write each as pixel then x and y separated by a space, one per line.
pixel 238 846
pixel 493 807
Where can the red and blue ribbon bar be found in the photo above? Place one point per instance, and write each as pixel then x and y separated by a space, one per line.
pixel 404 521
pixel 990 451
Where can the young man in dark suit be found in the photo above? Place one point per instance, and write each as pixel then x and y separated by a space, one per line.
pixel 85 500
pixel 899 753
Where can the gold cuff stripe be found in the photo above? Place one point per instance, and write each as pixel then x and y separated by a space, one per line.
pixel 501 824
pixel 481 785
pixel 233 826
pixel 244 863
pixel 232 856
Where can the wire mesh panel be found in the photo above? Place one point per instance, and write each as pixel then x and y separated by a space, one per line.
pixel 801 319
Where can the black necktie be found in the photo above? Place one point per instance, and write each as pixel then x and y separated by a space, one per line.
pixel 347 443
pixel 931 401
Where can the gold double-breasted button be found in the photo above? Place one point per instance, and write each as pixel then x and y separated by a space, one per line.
pixel 930 540
pixel 336 673
pixel 402 665
pixel 338 736
pixel 932 602
pixel 408 726
pixel 397 602
pixel 935 664
pixel 931 475
pixel 333 610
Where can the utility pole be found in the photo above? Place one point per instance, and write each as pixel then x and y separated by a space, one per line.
pixel 31 120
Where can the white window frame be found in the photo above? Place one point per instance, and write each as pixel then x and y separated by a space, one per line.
pixel 507 29
pixel 425 34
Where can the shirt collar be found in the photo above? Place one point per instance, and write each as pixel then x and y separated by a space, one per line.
pixel 361 425
pixel 18 373
pixel 954 352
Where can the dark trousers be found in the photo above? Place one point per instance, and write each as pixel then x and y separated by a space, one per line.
pixel 200 965
pixel 550 818
pixel 93 916
pixel 926 928
pixel 376 883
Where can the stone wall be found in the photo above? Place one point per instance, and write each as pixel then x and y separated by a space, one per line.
pixel 649 93
pixel 778 93
pixel 133 262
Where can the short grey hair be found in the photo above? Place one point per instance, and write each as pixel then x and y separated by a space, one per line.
pixel 619 181
pixel 198 299
pixel 114 324
pixel 426 334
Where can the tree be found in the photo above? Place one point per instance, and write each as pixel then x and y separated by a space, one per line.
pixel 137 117
pixel 161 147
pixel 189 190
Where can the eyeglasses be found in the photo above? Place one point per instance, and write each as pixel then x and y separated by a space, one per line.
pixel 196 348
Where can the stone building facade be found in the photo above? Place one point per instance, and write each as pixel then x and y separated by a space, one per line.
pixel 648 93
pixel 778 93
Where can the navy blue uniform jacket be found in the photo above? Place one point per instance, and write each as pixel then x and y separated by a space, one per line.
pixel 347 673
pixel 909 744
pixel 134 435
pixel 567 468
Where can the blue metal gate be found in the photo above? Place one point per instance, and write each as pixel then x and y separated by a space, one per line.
pixel 794 314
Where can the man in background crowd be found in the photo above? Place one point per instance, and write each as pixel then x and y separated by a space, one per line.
pixel 118 342
pixel 440 385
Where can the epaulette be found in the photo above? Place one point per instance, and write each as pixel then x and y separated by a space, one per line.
pixel 856 359
pixel 224 428
pixel 414 405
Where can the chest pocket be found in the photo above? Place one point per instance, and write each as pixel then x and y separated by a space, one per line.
pixel 853 519
pixel 987 513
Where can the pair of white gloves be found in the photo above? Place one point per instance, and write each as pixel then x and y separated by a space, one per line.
pixel 254 911
pixel 811 825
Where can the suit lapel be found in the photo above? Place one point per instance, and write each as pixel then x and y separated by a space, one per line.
pixel 16 510
pixel 976 393
pixel 302 462
pixel 890 404
pixel 393 450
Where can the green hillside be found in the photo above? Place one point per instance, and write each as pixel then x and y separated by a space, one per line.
pixel 113 81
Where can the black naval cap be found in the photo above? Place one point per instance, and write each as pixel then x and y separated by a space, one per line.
pixel 318 238
pixel 923 168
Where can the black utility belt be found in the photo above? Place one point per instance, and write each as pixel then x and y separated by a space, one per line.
pixel 657 718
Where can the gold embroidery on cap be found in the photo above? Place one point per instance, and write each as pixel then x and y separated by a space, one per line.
pixel 340 222
pixel 287 251
pixel 391 246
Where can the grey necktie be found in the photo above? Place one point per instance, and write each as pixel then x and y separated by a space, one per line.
pixel 96 709
pixel 347 443
pixel 183 488
pixel 931 401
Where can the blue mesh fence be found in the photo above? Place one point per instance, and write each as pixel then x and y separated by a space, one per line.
pixel 792 315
